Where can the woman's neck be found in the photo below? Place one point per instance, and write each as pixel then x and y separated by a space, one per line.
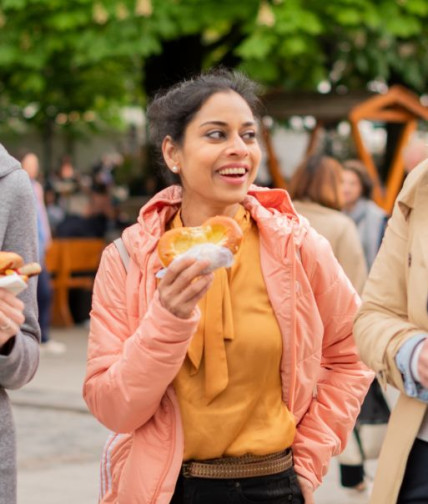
pixel 349 207
pixel 195 217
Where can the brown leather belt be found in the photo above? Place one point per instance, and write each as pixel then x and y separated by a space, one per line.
pixel 247 466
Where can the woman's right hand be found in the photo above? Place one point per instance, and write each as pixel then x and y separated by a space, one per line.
pixel 183 286
pixel 307 490
pixel 11 315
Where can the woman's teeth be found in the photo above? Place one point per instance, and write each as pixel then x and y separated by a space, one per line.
pixel 232 171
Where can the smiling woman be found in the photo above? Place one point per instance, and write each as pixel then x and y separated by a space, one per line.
pixel 218 157
pixel 210 376
pixel 207 133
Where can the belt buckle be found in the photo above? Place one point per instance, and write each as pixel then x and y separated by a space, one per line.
pixel 186 470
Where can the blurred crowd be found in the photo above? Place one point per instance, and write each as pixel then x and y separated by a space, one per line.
pixel 72 205
pixel 85 205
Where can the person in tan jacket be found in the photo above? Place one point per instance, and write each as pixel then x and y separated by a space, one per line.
pixel 391 331
pixel 315 189
pixel 317 193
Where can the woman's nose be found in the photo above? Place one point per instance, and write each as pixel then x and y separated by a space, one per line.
pixel 237 146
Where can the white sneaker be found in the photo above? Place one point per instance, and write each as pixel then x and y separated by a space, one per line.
pixel 53 347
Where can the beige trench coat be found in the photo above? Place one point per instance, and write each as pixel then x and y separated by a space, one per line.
pixel 395 309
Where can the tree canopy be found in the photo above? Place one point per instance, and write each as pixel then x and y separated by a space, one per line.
pixel 69 62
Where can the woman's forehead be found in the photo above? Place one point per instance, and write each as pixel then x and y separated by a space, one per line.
pixel 224 106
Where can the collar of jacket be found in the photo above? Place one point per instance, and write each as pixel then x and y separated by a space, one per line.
pixel 412 185
pixel 272 209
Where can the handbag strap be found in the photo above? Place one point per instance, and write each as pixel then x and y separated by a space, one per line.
pixel 122 252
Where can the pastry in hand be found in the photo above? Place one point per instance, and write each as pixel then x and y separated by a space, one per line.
pixel 14 274
pixel 216 240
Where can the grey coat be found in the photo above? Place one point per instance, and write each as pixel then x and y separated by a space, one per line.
pixel 19 358
pixel 370 221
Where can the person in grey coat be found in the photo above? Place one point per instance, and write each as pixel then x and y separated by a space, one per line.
pixel 369 218
pixel 19 330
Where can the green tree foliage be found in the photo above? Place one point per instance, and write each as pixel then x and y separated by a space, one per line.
pixel 347 42
pixel 46 72
pixel 73 61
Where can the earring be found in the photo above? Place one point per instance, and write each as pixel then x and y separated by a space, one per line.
pixel 175 169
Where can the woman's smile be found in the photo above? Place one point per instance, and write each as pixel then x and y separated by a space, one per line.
pixel 234 173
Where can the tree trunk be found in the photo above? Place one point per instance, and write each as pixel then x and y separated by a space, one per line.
pixel 393 134
pixel 179 59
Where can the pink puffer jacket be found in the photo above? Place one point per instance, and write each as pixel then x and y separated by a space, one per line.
pixel 136 348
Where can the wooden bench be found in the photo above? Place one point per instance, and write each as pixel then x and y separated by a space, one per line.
pixel 72 264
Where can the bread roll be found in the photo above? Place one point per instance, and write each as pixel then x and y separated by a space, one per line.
pixel 220 230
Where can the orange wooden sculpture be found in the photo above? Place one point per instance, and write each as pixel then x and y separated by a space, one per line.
pixel 398 105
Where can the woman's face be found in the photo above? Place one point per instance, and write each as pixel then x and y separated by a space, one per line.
pixel 30 163
pixel 351 187
pixel 220 153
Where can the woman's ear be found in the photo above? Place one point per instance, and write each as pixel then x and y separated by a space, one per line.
pixel 170 153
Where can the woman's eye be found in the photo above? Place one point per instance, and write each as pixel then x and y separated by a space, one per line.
pixel 217 134
pixel 249 135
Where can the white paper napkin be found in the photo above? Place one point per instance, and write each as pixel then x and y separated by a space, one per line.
pixel 13 283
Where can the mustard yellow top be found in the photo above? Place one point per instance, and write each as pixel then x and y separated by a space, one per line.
pixel 229 387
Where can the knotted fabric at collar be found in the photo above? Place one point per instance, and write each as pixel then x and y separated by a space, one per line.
pixel 216 324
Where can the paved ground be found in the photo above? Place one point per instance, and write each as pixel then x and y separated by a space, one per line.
pixel 59 442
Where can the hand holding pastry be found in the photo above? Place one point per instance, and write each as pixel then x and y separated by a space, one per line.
pixel 183 285
pixel 14 274
pixel 216 241
pixel 190 254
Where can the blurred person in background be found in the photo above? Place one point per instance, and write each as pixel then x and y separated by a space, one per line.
pixel 30 163
pixel 369 218
pixel 19 330
pixel 67 172
pixel 98 217
pixel 391 330
pixel 316 192
pixel 66 183
pixel 415 152
pixel 100 213
pixel 103 171
pixel 56 214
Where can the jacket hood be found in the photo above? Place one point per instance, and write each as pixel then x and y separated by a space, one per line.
pixel 7 162
pixel 416 178
pixel 273 206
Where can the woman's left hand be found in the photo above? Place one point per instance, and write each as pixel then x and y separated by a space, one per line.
pixel 307 490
